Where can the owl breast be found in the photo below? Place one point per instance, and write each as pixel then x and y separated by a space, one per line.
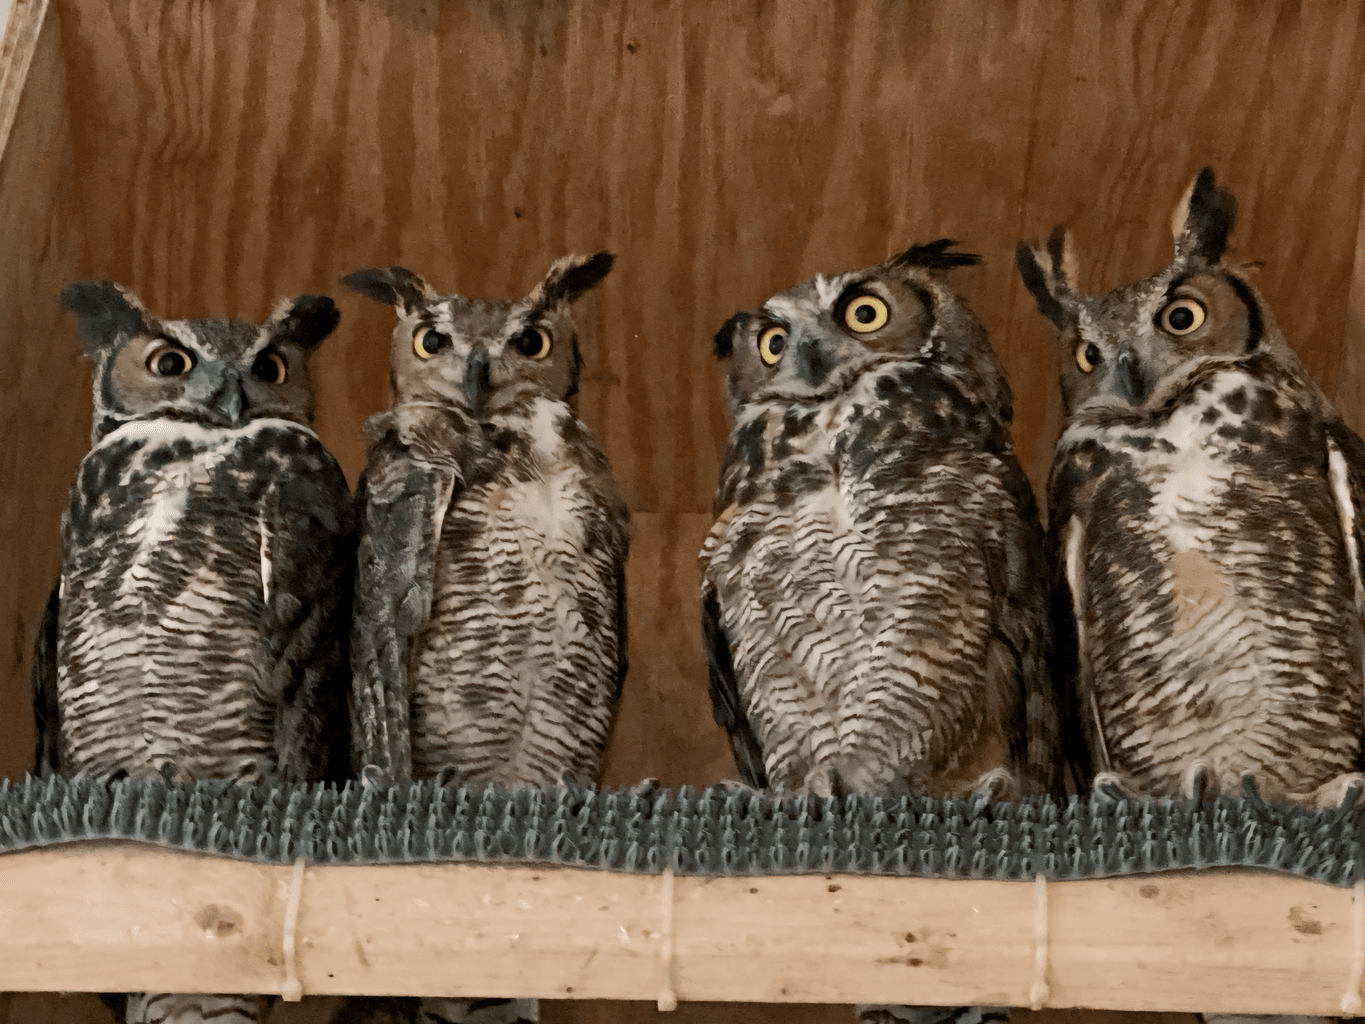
pixel 161 654
pixel 515 678
pixel 850 570
pixel 1219 607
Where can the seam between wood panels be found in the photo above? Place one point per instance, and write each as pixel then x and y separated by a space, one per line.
pixel 26 19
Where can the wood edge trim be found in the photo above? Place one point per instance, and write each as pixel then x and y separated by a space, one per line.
pixel 20 42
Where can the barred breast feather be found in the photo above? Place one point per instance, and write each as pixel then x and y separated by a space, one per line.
pixel 1214 598
pixel 202 572
pixel 872 582
pixel 513 659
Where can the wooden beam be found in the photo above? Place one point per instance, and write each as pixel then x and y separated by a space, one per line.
pixel 110 917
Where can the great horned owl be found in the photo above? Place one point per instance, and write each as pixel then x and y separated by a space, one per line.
pixel 198 628
pixel 489 627
pixel 1204 512
pixel 874 591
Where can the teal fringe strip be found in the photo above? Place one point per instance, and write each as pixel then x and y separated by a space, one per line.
pixel 715 831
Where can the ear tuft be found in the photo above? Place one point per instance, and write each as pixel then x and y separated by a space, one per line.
pixel 934 256
pixel 305 321
pixel 395 286
pixel 1203 220
pixel 571 276
pixel 106 312
pixel 724 341
pixel 1045 273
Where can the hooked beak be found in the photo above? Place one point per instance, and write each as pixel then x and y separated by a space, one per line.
pixel 812 364
pixel 229 399
pixel 1129 380
pixel 476 385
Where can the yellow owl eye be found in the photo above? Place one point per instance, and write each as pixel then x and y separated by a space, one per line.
pixel 1088 356
pixel 533 343
pixel 427 342
pixel 771 344
pixel 170 361
pixel 1183 316
pixel 270 367
pixel 866 313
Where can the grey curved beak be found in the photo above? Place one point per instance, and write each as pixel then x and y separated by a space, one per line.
pixel 812 362
pixel 229 399
pixel 1129 380
pixel 476 383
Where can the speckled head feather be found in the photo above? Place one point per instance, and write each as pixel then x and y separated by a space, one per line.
pixel 484 355
pixel 212 371
pixel 1203 521
pixel 820 350
pixel 1117 347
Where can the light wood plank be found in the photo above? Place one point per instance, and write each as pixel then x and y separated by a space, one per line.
pixel 119 917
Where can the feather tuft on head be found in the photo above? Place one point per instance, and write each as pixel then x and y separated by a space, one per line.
pixel 106 312
pixel 723 344
pixel 396 286
pixel 1203 220
pixel 934 256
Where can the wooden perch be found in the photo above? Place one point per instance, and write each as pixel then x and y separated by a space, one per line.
pixel 110 917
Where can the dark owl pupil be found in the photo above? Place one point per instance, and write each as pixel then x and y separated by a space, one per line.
pixel 777 343
pixel 171 364
pixel 528 343
pixel 864 313
pixel 1181 318
pixel 266 369
pixel 433 342
pixel 1092 355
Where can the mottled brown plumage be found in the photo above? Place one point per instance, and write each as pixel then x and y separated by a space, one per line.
pixel 1202 512
pixel 198 630
pixel 489 619
pixel 874 589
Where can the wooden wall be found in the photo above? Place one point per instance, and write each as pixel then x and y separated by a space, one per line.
pixel 214 156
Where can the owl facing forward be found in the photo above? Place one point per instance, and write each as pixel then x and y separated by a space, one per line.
pixel 872 595
pixel 198 628
pixel 1204 508
pixel 489 626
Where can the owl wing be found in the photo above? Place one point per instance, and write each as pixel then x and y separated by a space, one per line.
pixel 308 555
pixel 1346 473
pixel 726 702
pixel 402 502
pixel 1081 739
pixel 43 680
pixel 1016 567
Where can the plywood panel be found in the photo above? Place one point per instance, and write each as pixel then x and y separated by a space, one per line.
pixel 665 730
pixel 44 399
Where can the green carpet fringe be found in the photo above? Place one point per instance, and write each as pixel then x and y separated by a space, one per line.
pixel 716 831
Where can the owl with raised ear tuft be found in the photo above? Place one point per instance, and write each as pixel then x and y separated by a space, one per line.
pixel 872 598
pixel 1204 514
pixel 489 624
pixel 198 629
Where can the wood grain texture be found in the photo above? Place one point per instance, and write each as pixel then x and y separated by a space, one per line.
pixel 44 389
pixel 106 916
